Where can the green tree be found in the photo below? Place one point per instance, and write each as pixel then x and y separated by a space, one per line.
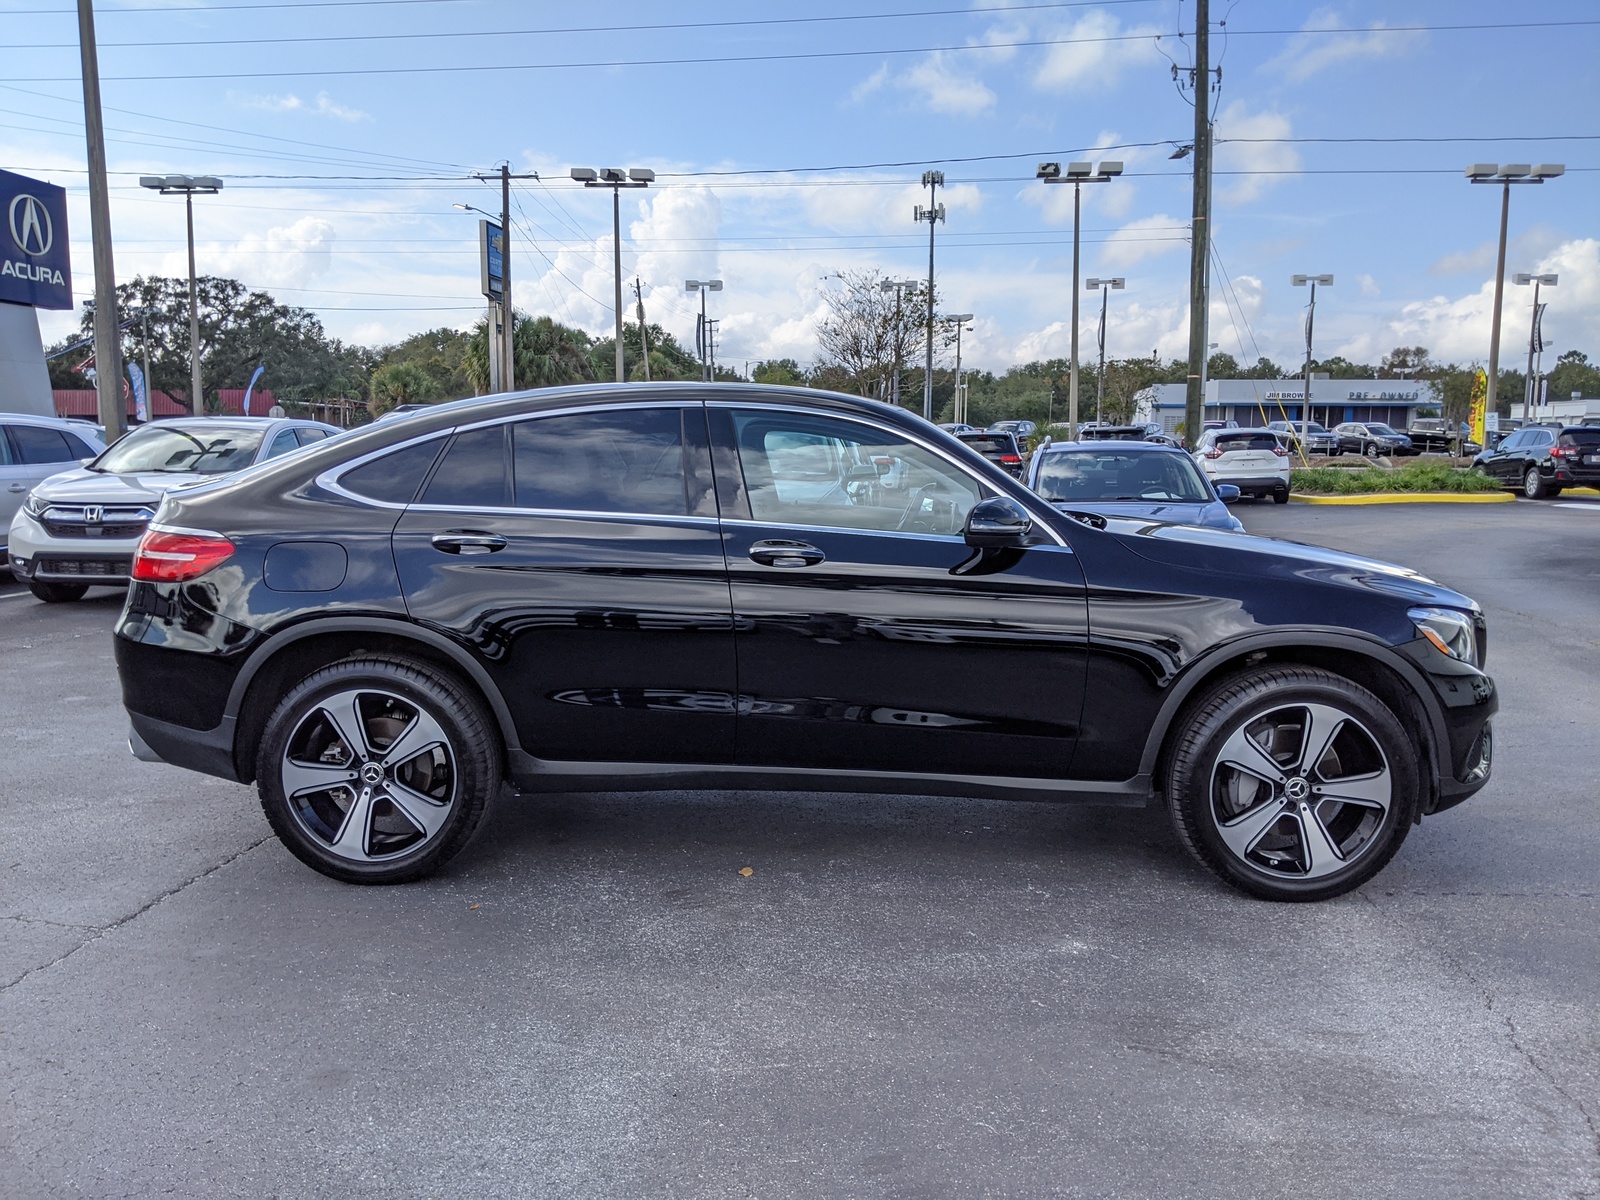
pixel 1574 372
pixel 440 354
pixel 781 372
pixel 867 331
pixel 545 353
pixel 400 383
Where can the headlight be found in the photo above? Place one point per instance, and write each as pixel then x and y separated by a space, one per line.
pixel 1451 631
pixel 35 505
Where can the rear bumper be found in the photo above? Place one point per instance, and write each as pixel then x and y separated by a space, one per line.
pixel 1254 483
pixel 209 751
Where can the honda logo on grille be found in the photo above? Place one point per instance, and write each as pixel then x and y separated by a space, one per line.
pixel 93 514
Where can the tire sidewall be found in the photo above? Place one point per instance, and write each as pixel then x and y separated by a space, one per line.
pixel 1532 483
pixel 1242 701
pixel 474 753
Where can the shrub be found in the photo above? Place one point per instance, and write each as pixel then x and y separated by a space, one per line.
pixel 1415 477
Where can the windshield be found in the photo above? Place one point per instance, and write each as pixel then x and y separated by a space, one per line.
pixel 1113 475
pixel 211 449
pixel 1381 430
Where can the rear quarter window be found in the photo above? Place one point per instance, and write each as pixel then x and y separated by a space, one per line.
pixel 1258 441
pixel 393 478
pixel 1581 437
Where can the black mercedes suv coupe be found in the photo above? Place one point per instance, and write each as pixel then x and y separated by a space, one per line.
pixel 644 587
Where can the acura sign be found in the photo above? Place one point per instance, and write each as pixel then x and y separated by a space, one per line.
pixel 35 268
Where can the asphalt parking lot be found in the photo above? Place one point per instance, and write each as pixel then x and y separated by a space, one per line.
pixel 906 998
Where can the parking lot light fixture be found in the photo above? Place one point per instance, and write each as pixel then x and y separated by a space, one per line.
pixel 1530 393
pixel 1077 174
pixel 958 411
pixel 1105 287
pixel 188 186
pixel 1505 176
pixel 703 330
pixel 1311 319
pixel 616 178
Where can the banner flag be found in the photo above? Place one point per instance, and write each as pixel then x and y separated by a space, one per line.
pixel 141 400
pixel 1480 394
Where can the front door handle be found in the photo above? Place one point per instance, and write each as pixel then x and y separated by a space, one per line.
pixel 17 487
pixel 467 541
pixel 779 552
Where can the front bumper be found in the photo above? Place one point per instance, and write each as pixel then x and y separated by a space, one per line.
pixel 33 553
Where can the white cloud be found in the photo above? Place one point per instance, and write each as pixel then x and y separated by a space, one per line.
pixel 1096 50
pixel 870 84
pixel 1310 52
pixel 322 105
pixel 1369 286
pixel 945 89
pixel 281 257
pixel 1148 237
pixel 1456 329
pixel 1275 159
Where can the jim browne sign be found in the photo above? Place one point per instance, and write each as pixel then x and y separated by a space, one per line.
pixel 35 268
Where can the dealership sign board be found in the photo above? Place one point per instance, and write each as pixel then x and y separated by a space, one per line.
pixel 34 265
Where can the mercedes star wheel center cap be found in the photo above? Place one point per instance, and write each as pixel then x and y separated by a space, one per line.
pixel 1297 789
pixel 371 774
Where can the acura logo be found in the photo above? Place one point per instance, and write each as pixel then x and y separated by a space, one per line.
pixel 31 229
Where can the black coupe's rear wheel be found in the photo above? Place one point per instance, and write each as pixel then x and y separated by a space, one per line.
pixel 1292 783
pixel 377 770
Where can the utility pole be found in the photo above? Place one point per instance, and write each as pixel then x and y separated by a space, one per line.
pixel 702 329
pixel 644 334
pixel 507 361
pixel 107 347
pixel 1200 225
pixel 933 214
pixel 899 287
pixel 1311 320
pixel 959 413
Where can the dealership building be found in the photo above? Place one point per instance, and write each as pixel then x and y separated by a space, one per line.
pixel 1254 402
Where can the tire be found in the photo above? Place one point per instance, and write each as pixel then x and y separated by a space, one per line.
pixel 1370 449
pixel 419 786
pixel 1477 469
pixel 1533 484
pixel 1281 496
pixel 1225 816
pixel 57 593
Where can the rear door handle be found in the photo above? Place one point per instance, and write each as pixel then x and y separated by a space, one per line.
pixel 466 541
pixel 778 552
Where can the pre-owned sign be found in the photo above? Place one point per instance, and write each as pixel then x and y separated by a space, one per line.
pixel 35 267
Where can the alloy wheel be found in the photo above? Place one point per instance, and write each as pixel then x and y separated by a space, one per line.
pixel 369 775
pixel 1301 791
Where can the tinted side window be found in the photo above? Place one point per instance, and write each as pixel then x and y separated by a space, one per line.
pixel 473 472
pixel 626 460
pixel 394 478
pixel 816 471
pixel 282 443
pixel 5 448
pixel 307 434
pixel 38 445
pixel 1587 438
pixel 79 447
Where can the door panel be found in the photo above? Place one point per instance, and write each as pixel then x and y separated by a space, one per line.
pixel 888 649
pixel 608 632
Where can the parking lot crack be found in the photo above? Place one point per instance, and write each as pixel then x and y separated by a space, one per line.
pixel 96 932
pixel 46 921
pixel 1543 1073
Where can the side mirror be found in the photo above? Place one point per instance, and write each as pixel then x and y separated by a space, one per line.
pixel 1227 493
pixel 996 523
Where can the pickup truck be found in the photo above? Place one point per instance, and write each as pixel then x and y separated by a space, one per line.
pixel 1431 435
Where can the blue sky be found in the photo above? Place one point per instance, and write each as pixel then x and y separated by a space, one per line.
pixel 346 131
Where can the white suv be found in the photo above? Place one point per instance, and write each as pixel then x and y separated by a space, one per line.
pixel 80 527
pixel 1255 461
pixel 34 448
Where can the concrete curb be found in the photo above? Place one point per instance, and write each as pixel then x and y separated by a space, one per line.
pixel 1580 491
pixel 1410 498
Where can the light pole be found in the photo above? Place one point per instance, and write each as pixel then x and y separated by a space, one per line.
pixel 188 186
pixel 1311 317
pixel 1105 286
pixel 1078 174
pixel 1506 175
pixel 616 179
pixel 499 334
pixel 1530 396
pixel 959 412
pixel 702 332
pixel 933 214
pixel 900 287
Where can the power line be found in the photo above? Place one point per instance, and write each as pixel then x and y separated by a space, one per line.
pixel 576 29
pixel 810 55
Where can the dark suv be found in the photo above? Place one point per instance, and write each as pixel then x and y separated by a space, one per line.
pixel 1000 448
pixel 636 587
pixel 1542 459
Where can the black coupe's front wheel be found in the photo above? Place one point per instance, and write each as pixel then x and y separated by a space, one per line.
pixel 1292 783
pixel 377 770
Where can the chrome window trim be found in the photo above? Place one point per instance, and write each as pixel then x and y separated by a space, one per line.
pixel 578 408
pixel 584 514
pixel 985 487
pixel 328 480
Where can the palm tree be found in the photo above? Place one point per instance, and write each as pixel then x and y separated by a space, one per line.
pixel 546 353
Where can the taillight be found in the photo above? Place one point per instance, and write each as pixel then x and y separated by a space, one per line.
pixel 1010 458
pixel 1280 452
pixel 1213 452
pixel 178 557
pixel 1566 451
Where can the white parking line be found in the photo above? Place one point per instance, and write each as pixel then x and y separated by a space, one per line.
pixel 1591 505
